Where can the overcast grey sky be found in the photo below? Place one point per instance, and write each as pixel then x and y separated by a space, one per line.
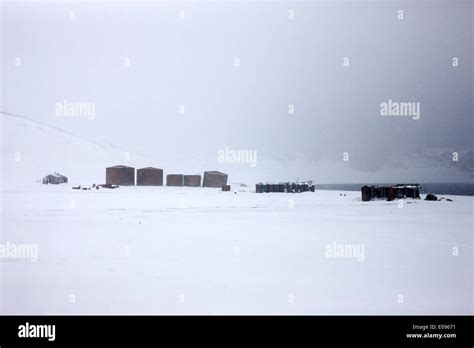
pixel 190 61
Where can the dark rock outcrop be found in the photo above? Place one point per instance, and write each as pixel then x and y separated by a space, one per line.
pixel 431 197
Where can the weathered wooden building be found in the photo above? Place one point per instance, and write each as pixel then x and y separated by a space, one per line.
pixel 192 180
pixel 390 193
pixel 289 187
pixel 120 175
pixel 214 179
pixel 54 178
pixel 174 180
pixel 150 176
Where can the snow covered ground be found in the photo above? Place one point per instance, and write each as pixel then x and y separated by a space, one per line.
pixel 195 250
pixel 149 250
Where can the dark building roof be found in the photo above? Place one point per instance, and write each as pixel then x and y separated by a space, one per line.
pixel 215 172
pixel 120 166
pixel 150 168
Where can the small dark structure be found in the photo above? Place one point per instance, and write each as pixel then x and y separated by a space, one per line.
pixel 150 176
pixel 366 193
pixel 54 178
pixel 226 188
pixel 192 180
pixel 120 175
pixel 285 187
pixel 174 180
pixel 214 179
pixel 390 193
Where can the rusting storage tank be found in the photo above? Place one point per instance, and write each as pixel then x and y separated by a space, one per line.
pixel 150 176
pixel 214 179
pixel 192 180
pixel 174 180
pixel 120 175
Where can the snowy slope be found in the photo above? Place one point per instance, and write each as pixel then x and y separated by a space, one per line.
pixel 30 150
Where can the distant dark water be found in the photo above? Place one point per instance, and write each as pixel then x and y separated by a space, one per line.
pixel 464 189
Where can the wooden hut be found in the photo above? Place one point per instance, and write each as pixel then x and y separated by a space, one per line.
pixel 54 178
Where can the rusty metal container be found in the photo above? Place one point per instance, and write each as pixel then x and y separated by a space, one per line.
pixel 150 176
pixel 120 175
pixel 214 179
pixel 174 180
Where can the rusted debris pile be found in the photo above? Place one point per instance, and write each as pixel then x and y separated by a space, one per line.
pixel 94 186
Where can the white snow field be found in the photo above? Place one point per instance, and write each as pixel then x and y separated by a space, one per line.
pixel 167 250
pixel 162 250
